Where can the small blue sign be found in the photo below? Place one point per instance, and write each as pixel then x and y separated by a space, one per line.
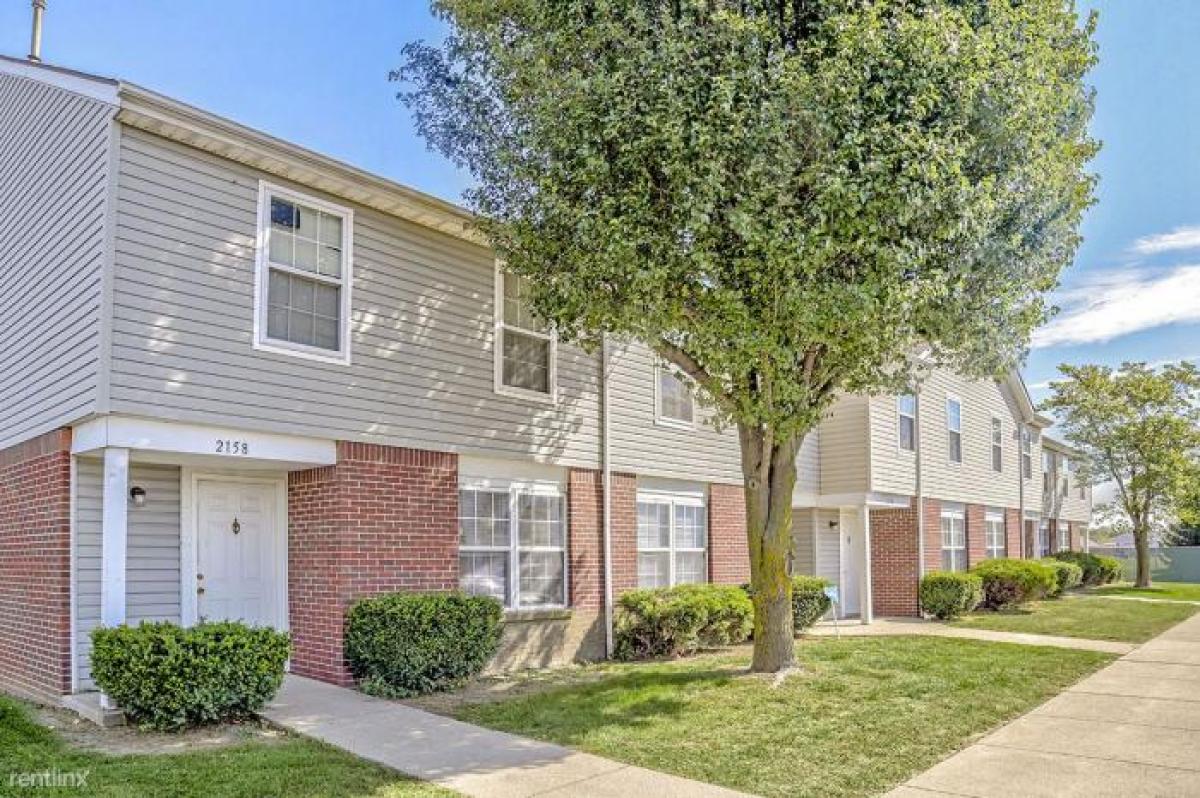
pixel 831 592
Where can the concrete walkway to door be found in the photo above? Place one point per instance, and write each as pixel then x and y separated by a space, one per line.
pixel 469 759
pixel 1131 729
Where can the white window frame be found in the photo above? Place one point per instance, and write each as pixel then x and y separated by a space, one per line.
pixel 1026 453
pixel 1062 529
pixel 499 326
pixel 900 416
pixel 1041 545
pixel 997 449
pixel 514 489
pixel 951 431
pixel 954 514
pixel 670 421
pixel 262 273
pixel 674 500
pixel 990 518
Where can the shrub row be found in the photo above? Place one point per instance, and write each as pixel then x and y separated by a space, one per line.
pixel 948 594
pixel 168 677
pixel 674 622
pixel 1097 569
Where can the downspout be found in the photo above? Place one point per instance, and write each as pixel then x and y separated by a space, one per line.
pixel 1022 434
pixel 606 486
pixel 920 490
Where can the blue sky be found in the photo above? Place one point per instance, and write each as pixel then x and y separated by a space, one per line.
pixel 316 73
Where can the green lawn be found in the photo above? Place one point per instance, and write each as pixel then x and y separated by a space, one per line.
pixel 861 716
pixel 1180 591
pixel 1086 616
pixel 293 767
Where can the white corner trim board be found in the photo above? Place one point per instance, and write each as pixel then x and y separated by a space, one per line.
pixel 230 445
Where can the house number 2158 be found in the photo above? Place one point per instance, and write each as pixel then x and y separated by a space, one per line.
pixel 233 447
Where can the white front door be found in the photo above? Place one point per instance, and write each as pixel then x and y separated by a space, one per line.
pixel 853 556
pixel 239 552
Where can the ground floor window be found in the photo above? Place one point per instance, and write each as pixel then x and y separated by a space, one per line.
pixel 515 530
pixel 954 540
pixel 994 537
pixel 672 540
pixel 1043 539
pixel 1064 536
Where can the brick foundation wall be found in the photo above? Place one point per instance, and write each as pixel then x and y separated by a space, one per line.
pixel 35 567
pixel 382 519
pixel 1012 531
pixel 729 551
pixel 933 535
pixel 894 559
pixel 976 534
pixel 624 532
pixel 585 537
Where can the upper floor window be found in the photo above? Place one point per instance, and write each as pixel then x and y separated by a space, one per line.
pixel 997 445
pixel 525 345
pixel 302 291
pixel 512 545
pixel 954 539
pixel 1026 453
pixel 1047 472
pixel 994 537
pixel 954 429
pixel 673 393
pixel 1063 477
pixel 906 407
pixel 672 541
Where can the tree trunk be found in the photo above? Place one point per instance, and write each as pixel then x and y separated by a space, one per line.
pixel 769 473
pixel 1141 542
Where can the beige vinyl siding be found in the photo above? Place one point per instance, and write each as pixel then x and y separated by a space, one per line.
pixel 802 542
pixel 53 180
pixel 829 546
pixel 1073 508
pixel 152 575
pixel 639 445
pixel 421 326
pixel 971 481
pixel 844 447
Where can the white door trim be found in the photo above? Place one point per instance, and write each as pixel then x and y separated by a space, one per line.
pixel 189 540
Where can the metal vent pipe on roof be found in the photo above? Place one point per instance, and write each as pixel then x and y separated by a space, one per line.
pixel 35 36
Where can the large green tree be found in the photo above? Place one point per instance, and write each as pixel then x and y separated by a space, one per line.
pixel 1140 428
pixel 782 198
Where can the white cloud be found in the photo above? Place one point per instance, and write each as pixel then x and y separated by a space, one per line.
pixel 1119 303
pixel 1180 238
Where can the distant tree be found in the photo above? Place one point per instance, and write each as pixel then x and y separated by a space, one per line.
pixel 1140 428
pixel 784 200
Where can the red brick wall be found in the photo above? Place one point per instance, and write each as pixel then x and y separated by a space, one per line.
pixel 933 535
pixel 35 566
pixel 1012 531
pixel 976 534
pixel 729 551
pixel 624 532
pixel 894 558
pixel 382 519
pixel 585 532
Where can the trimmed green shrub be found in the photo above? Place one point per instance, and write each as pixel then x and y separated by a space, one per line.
pixel 1067 575
pixel 948 594
pixel 168 677
pixel 677 621
pixel 1010 583
pixel 1111 569
pixel 809 601
pixel 406 644
pixel 1097 569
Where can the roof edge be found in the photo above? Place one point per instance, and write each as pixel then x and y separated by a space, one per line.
pixel 84 84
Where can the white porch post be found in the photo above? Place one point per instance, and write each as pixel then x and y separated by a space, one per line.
pixel 114 533
pixel 113 536
pixel 867 611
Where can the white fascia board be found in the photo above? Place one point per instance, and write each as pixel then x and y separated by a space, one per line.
pixel 218 444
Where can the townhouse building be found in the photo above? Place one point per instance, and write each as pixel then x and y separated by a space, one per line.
pixel 240 379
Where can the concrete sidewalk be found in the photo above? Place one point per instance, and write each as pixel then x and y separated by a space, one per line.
pixel 1131 729
pixel 469 759
pixel 883 627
